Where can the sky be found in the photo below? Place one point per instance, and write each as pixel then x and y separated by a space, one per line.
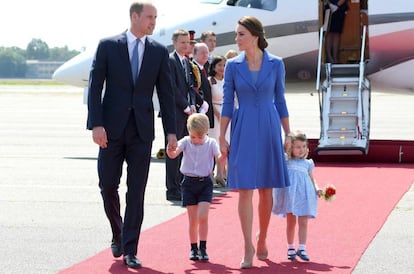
pixel 75 24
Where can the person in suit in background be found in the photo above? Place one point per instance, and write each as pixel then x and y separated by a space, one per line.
pixel 190 50
pixel 129 66
pixel 200 59
pixel 182 88
pixel 256 157
pixel 209 38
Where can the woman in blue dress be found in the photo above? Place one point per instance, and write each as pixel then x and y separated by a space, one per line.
pixel 299 201
pixel 256 153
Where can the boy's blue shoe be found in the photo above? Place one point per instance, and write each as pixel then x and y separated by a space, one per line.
pixel 194 254
pixel 203 254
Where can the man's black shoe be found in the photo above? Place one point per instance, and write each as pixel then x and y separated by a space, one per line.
pixel 116 247
pixel 132 261
pixel 194 254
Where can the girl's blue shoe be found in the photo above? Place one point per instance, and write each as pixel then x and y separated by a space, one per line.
pixel 302 254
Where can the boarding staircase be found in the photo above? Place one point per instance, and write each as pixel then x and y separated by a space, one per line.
pixel 344 102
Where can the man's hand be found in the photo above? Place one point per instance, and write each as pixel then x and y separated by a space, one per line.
pixel 190 110
pixel 99 136
pixel 171 141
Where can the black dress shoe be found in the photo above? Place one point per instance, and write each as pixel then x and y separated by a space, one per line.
pixel 202 254
pixel 116 247
pixel 194 255
pixel 132 261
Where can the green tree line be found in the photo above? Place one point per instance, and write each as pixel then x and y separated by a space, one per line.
pixel 13 59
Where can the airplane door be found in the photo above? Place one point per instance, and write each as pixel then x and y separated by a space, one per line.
pixel 351 37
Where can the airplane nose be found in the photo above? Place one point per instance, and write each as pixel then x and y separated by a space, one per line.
pixel 75 71
pixel 63 74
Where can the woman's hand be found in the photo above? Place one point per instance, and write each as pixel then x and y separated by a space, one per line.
pixel 288 143
pixel 224 146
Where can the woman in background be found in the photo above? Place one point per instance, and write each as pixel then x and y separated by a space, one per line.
pixel 216 72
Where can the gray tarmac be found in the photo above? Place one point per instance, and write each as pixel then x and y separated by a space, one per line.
pixel 51 213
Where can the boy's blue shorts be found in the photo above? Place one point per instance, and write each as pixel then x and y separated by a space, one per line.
pixel 196 189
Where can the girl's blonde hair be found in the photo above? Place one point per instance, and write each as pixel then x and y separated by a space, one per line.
pixel 298 136
pixel 198 123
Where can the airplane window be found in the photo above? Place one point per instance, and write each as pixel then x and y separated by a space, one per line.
pixel 256 4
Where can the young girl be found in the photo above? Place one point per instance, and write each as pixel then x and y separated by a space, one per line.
pixel 199 151
pixel 299 200
pixel 216 72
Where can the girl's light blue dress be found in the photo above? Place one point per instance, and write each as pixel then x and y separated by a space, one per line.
pixel 300 197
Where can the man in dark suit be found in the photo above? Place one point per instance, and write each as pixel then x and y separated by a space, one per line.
pixel 122 120
pixel 209 38
pixel 181 78
pixel 200 57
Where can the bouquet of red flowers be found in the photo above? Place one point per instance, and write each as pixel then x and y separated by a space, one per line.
pixel 329 192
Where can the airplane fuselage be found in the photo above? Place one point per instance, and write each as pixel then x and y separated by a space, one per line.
pixel 292 33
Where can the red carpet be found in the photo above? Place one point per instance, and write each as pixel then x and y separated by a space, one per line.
pixel 366 194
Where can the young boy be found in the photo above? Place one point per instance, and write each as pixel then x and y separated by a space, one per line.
pixel 197 163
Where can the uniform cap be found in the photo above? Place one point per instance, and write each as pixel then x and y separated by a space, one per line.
pixel 192 33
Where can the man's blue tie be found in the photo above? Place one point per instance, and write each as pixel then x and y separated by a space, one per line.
pixel 134 61
pixel 185 69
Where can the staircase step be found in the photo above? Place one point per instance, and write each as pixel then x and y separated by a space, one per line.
pixel 340 140
pixel 344 70
pixel 342 122
pixel 339 93
pixel 339 131
pixel 343 107
pixel 332 147
pixel 341 135
pixel 342 115
pixel 344 66
pixel 343 99
pixel 341 150
pixel 348 81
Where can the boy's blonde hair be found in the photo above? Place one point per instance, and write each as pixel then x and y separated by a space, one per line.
pixel 199 123
pixel 298 136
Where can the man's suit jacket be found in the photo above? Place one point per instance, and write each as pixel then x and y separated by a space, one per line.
pixel 205 90
pixel 111 69
pixel 181 88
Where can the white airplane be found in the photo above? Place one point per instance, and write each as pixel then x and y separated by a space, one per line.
pixel 376 49
pixel 292 32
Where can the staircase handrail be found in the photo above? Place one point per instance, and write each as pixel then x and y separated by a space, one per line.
pixel 318 78
pixel 361 79
pixel 362 61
